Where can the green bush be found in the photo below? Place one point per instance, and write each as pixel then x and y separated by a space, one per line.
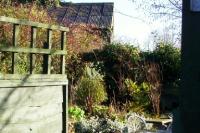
pixel 118 63
pixel 101 111
pixel 91 89
pixel 76 113
pixel 169 59
pixel 140 96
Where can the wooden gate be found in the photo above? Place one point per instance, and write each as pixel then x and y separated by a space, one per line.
pixel 31 102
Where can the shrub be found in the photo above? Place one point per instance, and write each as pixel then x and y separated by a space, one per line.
pixel 160 68
pixel 140 96
pixel 169 59
pixel 101 111
pixel 118 63
pixel 91 90
pixel 76 113
pixel 84 38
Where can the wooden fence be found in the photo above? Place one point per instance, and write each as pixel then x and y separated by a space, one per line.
pixel 31 102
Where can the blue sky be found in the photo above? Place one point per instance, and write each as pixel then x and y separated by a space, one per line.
pixel 129 29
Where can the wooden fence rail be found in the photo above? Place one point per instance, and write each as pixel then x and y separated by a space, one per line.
pixel 47 51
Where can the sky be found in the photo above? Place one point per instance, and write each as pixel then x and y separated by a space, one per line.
pixel 129 24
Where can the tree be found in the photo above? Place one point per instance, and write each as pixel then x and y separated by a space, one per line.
pixel 162 8
pixel 167 11
pixel 40 2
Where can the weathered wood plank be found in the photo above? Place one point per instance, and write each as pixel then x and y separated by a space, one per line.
pixel 33 50
pixel 31 23
pixel 65 107
pixel 29 114
pixel 38 77
pixel 63 47
pixel 17 83
pixel 161 121
pixel 30 96
pixel 15 42
pixel 33 42
pixel 67 115
pixel 52 124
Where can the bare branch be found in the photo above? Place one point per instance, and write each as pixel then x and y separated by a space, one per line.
pixel 176 4
pixel 166 14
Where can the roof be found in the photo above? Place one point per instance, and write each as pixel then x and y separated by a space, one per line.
pixel 97 14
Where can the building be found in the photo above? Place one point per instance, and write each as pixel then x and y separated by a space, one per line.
pixel 94 18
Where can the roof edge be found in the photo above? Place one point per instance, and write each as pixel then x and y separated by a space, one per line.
pixel 64 3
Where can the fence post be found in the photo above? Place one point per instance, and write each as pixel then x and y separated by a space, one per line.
pixel 63 47
pixel 65 109
pixel 15 41
pixel 33 42
pixel 47 57
pixel 190 80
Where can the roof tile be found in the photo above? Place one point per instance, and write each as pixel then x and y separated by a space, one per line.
pixel 98 14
